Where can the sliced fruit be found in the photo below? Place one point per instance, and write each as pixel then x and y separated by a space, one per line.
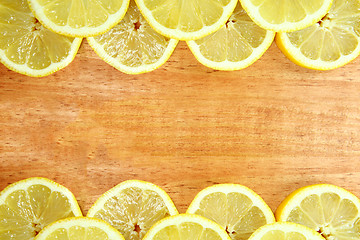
pixel 328 209
pixel 29 205
pixel 285 15
pixel 77 228
pixel 186 227
pixel 132 46
pixel 238 44
pixel 78 18
pixel 132 207
pixel 285 231
pixel 186 19
pixel 238 209
pixel 27 47
pixel 331 43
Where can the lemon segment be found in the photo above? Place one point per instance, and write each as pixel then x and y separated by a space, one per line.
pixel 285 15
pixel 29 48
pixel 78 18
pixel 285 231
pixel 328 44
pixel 78 228
pixel 238 209
pixel 237 45
pixel 328 209
pixel 186 227
pixel 132 207
pixel 186 19
pixel 132 46
pixel 29 205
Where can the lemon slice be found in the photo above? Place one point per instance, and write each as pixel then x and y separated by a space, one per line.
pixel 286 15
pixel 78 18
pixel 328 209
pixel 328 44
pixel 78 228
pixel 285 231
pixel 132 46
pixel 27 47
pixel 238 209
pixel 186 227
pixel 238 44
pixel 186 19
pixel 132 207
pixel 29 205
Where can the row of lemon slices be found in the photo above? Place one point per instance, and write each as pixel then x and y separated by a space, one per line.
pixel 37 208
pixel 139 37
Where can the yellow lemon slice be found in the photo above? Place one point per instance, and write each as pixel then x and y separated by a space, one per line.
pixel 286 15
pixel 238 209
pixel 328 44
pixel 328 209
pixel 29 205
pixel 238 44
pixel 186 227
pixel 78 18
pixel 285 231
pixel 186 19
pixel 79 228
pixel 132 207
pixel 132 46
pixel 27 47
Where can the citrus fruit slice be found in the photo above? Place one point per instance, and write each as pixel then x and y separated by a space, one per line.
pixel 328 44
pixel 132 46
pixel 285 231
pixel 186 227
pixel 238 209
pixel 238 44
pixel 77 228
pixel 285 15
pixel 78 18
pixel 27 47
pixel 29 205
pixel 132 207
pixel 328 209
pixel 186 19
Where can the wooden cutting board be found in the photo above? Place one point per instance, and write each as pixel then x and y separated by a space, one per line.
pixel 273 127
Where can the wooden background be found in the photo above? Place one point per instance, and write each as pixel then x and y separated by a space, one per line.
pixel 273 127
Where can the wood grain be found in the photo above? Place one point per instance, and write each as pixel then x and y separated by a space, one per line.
pixel 273 127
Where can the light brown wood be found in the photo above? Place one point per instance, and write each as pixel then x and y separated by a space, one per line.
pixel 273 127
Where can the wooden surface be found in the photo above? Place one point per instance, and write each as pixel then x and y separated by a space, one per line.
pixel 273 127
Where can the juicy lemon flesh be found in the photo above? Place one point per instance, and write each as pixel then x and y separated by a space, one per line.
pixel 186 231
pixel 235 41
pixel 24 41
pixel 186 15
pixel 25 212
pixel 281 11
pixel 280 235
pixel 234 212
pixel 77 233
pixel 133 211
pixel 133 42
pixel 78 14
pixel 336 35
pixel 329 214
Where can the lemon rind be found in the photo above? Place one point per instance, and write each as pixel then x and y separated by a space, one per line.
pixel 309 20
pixel 82 222
pixel 186 36
pixel 99 50
pixel 54 186
pixel 66 30
pixel 232 66
pixel 182 218
pixel 54 67
pixel 99 203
